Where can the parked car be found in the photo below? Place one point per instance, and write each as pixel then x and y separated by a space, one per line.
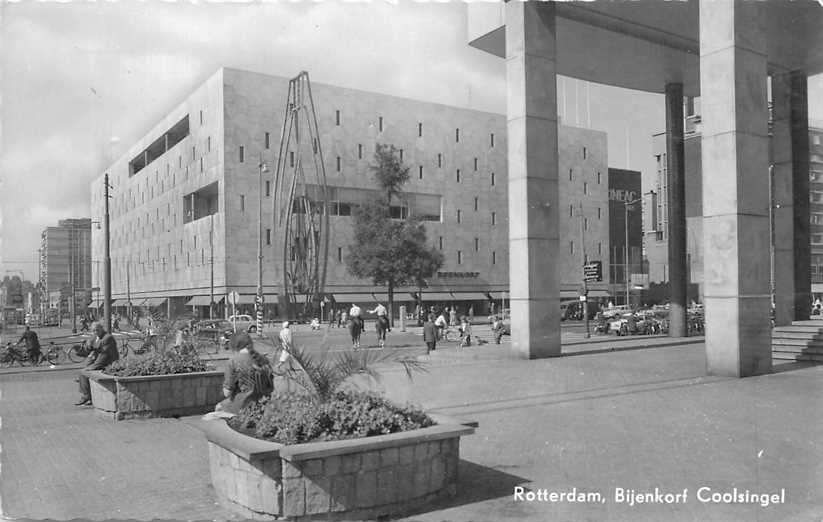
pixel 217 330
pixel 244 323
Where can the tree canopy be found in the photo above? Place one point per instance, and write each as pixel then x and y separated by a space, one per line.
pixel 390 252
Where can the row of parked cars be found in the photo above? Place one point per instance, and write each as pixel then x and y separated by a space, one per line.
pixel 221 330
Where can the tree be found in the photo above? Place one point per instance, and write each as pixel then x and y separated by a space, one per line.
pixel 391 252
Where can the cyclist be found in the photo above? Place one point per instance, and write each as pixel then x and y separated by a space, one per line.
pixel 32 345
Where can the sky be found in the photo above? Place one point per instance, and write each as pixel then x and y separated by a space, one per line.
pixel 82 81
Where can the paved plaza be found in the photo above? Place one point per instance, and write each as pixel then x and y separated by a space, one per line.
pixel 633 413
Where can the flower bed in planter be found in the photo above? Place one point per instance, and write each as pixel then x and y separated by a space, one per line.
pixel 155 395
pixel 367 477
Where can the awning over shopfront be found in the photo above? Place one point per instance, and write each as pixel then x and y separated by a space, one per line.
pixel 95 303
pixel 436 296
pixel 152 302
pixel 200 300
pixel 468 296
pixel 120 302
pixel 355 298
pixel 573 294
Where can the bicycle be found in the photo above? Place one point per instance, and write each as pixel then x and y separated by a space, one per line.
pixel 147 344
pixel 11 354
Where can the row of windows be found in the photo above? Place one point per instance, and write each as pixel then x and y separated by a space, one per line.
pixel 599 248
pixel 338 122
pixel 585 184
pixel 459 252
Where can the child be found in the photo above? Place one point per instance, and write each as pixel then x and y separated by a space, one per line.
pixel 466 331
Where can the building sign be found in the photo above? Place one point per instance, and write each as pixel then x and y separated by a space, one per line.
pixel 593 272
pixel 458 274
pixel 616 194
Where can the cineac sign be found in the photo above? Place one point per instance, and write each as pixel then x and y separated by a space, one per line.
pixel 622 195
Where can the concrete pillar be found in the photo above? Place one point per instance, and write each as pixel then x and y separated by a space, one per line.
pixel 790 154
pixel 533 178
pixel 676 171
pixel 735 190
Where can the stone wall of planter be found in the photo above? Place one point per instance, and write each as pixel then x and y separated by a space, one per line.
pixel 155 395
pixel 368 477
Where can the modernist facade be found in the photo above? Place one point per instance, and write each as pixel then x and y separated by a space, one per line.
pixel 816 207
pixel 626 203
pixel 184 215
pixel 66 264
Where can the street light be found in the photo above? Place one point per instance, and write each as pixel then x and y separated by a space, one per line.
pixel 626 205
pixel 258 303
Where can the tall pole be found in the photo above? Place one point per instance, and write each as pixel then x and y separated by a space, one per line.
pixel 107 263
pixel 585 297
pixel 626 248
pixel 258 302
pixel 211 266
pixel 128 289
pixel 73 304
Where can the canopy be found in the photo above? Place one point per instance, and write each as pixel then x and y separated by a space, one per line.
pixel 201 300
pixel 153 301
pixel 468 296
pixel 120 302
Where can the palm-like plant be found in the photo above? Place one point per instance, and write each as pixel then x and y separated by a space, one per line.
pixel 322 374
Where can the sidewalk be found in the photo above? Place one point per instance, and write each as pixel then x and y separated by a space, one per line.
pixel 633 413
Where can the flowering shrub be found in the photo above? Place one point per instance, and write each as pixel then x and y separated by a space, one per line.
pixel 158 363
pixel 296 418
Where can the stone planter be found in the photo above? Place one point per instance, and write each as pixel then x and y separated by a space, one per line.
pixel 361 478
pixel 155 395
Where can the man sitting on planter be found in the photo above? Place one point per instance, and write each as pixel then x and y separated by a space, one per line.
pixel 103 353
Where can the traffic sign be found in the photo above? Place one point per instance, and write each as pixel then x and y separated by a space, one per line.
pixel 593 272
pixel 234 298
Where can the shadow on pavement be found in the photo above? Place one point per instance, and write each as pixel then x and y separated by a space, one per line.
pixel 625 348
pixel 792 366
pixel 475 483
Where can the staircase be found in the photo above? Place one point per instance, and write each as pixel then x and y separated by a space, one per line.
pixel 802 341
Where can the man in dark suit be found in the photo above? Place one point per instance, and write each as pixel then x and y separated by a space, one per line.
pixel 104 352
pixel 430 334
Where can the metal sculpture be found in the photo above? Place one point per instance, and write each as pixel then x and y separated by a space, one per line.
pixel 301 222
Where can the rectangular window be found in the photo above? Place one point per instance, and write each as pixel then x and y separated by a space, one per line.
pixel 492 179
pixel 458 175
pixel 193 155
pixel 598 178
pixel 494 254
pixel 571 247
pixel 208 144
pixel 494 218
pixel 338 163
pixel 242 203
pixel 268 236
pixel 491 139
pixel 441 242
pixel 570 174
pixel 598 213
pixel 268 188
pixel 267 140
pixel 585 223
pixel 599 248
pixel 584 152
pixel 457 135
pixel 571 210
pixel 380 123
pixel 339 254
pixel 337 117
pixel 180 161
pixel 201 117
pixel 194 239
pixel 419 130
pixel 476 203
pixel 585 188
pixel 439 159
pixel 458 215
pixel 242 154
pixel 401 154
pixel 459 257
pixel 420 171
pixel 476 244
pixel 291 158
pixel 201 164
pixel 360 151
pixel 475 164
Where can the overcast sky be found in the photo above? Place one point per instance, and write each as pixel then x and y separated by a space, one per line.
pixel 81 81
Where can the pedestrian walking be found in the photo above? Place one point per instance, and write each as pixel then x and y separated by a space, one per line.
pixel 247 377
pixel 430 334
pixel 32 345
pixel 466 331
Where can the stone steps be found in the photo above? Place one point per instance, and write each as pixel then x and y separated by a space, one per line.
pixel 802 341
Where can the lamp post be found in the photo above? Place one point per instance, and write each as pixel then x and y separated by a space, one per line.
pixel 106 261
pixel 258 303
pixel 626 205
